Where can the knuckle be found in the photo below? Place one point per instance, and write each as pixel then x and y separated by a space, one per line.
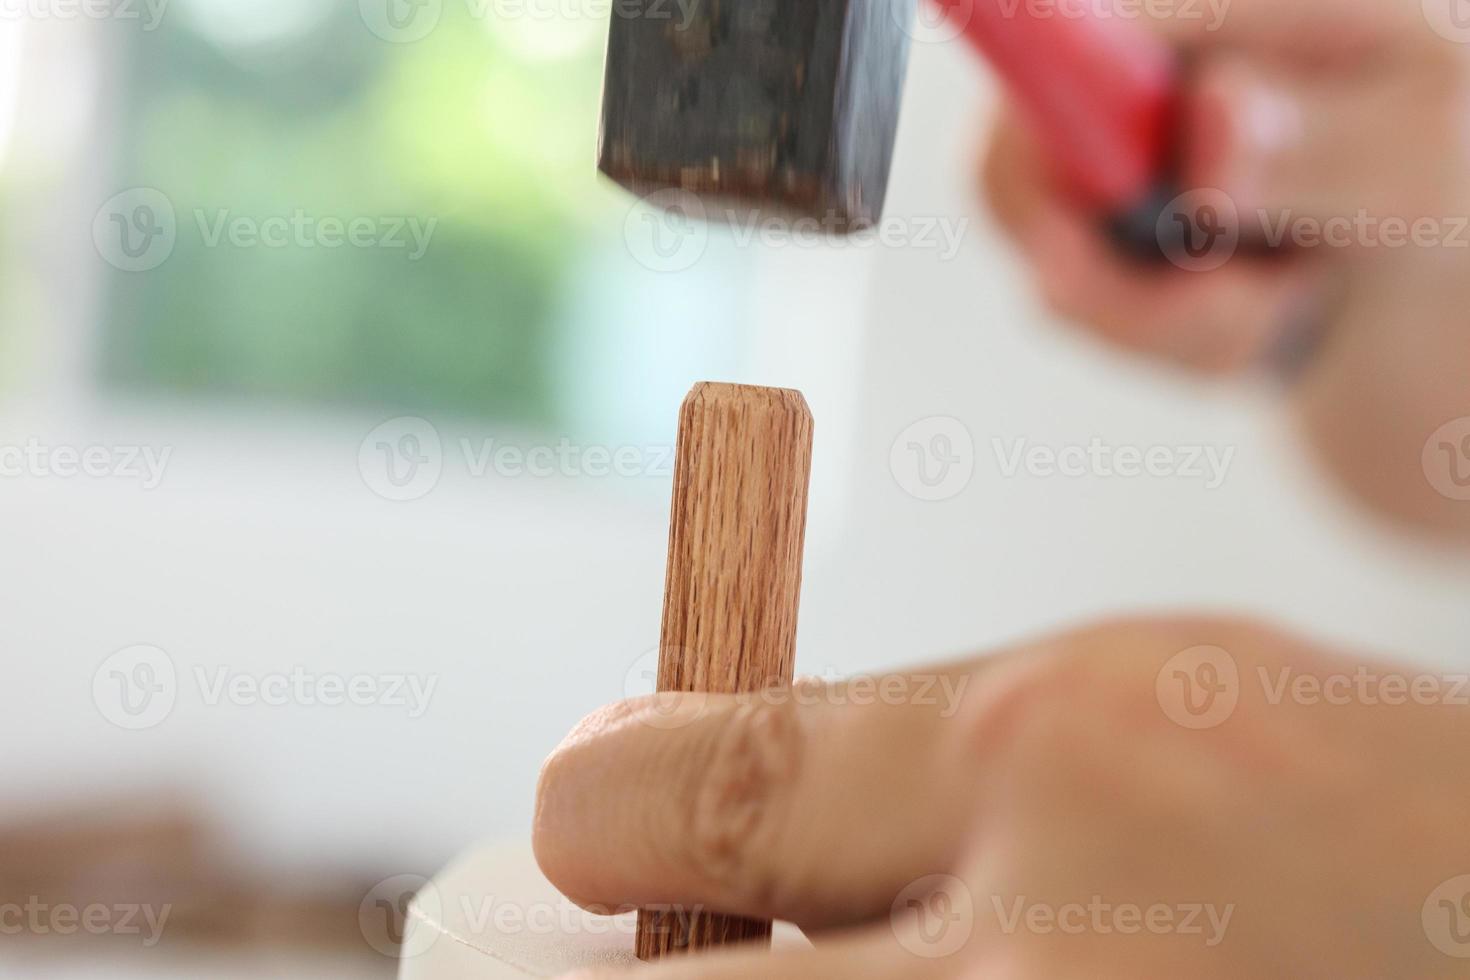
pixel 1022 709
pixel 743 795
pixel 1055 701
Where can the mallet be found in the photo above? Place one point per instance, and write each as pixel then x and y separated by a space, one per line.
pixel 791 106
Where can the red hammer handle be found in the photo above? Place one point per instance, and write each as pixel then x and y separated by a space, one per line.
pixel 1101 91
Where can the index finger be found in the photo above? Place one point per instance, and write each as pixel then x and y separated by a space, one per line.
pixel 760 805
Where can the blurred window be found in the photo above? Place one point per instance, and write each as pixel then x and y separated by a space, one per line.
pixel 367 209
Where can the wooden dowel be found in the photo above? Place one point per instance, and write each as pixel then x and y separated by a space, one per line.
pixel 736 531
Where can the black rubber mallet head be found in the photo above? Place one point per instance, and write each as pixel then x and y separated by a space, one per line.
pixel 782 107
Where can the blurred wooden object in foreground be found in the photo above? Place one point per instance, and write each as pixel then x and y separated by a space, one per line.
pixel 152 872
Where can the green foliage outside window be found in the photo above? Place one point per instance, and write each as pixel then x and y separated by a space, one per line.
pixel 482 133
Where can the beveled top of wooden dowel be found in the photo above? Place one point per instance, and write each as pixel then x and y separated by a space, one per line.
pixel 715 394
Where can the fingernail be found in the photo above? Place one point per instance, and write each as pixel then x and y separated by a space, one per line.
pixel 1272 125
pixel 1241 128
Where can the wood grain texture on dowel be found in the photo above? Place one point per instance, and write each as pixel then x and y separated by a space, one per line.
pixel 736 532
